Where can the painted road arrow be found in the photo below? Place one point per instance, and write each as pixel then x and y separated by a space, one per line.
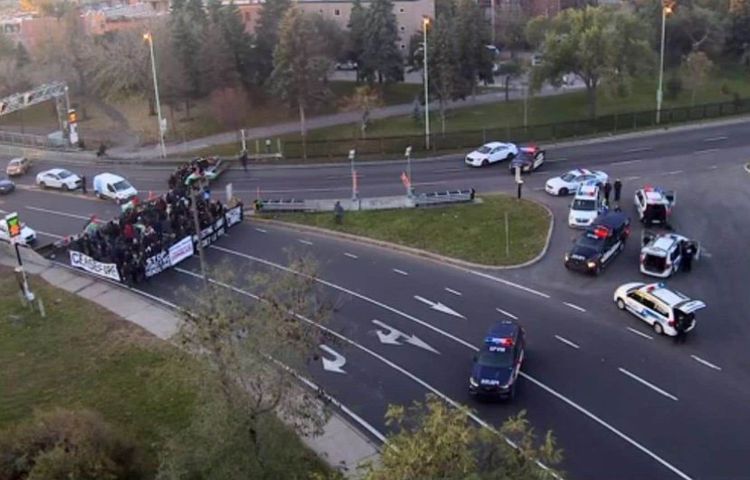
pixel 392 336
pixel 439 307
pixel 335 364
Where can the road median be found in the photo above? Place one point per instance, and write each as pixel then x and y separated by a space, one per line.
pixel 468 235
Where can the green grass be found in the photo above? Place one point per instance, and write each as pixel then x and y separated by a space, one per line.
pixel 472 232
pixel 82 355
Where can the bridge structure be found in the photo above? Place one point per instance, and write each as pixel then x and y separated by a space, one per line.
pixel 57 91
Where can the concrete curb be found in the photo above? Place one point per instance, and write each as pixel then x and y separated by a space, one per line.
pixel 415 251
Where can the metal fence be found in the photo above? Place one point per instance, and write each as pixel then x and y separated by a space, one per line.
pixel 338 149
pixel 28 140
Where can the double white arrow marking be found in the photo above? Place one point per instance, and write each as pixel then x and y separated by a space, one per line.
pixel 439 307
pixel 392 336
pixel 335 364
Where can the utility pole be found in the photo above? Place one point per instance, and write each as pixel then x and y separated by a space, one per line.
pixel 197 225
pixel 665 9
pixel 410 188
pixel 162 125
pixel 425 24
pixel 352 155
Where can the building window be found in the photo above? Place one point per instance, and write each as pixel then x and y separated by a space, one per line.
pixel 337 12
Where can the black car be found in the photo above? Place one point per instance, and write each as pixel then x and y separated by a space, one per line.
pixel 599 244
pixel 529 158
pixel 495 368
pixel 6 186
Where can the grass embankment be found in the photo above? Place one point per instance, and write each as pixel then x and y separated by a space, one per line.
pixel 83 356
pixel 471 232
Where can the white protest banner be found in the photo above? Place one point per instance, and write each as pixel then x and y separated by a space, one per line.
pixel 233 215
pixel 107 270
pixel 157 264
pixel 181 250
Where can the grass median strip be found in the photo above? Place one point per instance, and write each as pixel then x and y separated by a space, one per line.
pixel 471 232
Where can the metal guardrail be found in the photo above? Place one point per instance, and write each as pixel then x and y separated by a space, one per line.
pixel 281 205
pixel 448 196
pixel 28 140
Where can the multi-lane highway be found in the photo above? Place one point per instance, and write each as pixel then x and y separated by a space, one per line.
pixel 623 402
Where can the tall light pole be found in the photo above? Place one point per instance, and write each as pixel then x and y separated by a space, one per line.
pixel 352 155
pixel 147 36
pixel 665 9
pixel 425 24
pixel 409 189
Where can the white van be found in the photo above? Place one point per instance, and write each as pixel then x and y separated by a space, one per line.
pixel 113 187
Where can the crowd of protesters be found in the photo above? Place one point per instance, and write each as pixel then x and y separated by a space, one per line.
pixel 146 228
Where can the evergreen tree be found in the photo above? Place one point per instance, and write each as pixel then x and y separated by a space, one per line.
pixel 299 71
pixel 356 26
pixel 237 41
pixel 196 11
pixel 214 11
pixel 22 56
pixel 381 58
pixel 471 36
pixel 267 36
pixel 442 58
pixel 217 67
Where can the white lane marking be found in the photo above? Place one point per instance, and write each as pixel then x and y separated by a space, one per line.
pixel 468 345
pixel 383 359
pixel 335 364
pixel 639 149
pixel 54 212
pixel 648 384
pixel 538 189
pixel 506 313
pixel 351 255
pixel 713 167
pixel 706 362
pixel 392 337
pixel 674 172
pixel 715 139
pixel 626 162
pixel 305 242
pixel 400 272
pixel 50 234
pixel 440 307
pixel 261 230
pixel 633 330
pixel 567 342
pixel 609 427
pixel 635 177
pixel 349 292
pixel 708 150
pixel 454 292
pixel 508 283
pixel 574 306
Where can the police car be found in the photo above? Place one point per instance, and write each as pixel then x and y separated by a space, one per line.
pixel 654 205
pixel 490 153
pixel 495 368
pixel 529 158
pixel 600 244
pixel 661 254
pixel 569 182
pixel 586 206
pixel 659 306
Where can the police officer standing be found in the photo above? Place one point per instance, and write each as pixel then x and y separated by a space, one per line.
pixel 618 191
pixel 607 190
pixel 338 213
pixel 83 184
pixel 243 160
pixel 687 256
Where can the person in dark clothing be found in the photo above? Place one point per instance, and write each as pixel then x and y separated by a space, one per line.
pixel 243 160
pixel 687 256
pixel 680 327
pixel 607 190
pixel 102 152
pixel 83 184
pixel 338 213
pixel 618 192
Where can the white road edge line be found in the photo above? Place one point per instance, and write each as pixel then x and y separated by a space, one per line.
pixel 54 212
pixel 567 342
pixel 468 345
pixel 713 167
pixel 351 255
pixel 648 384
pixel 706 362
pixel 574 306
pixel 400 272
pixel 305 242
pixel 674 172
pixel 715 139
pixel 639 149
pixel 633 330
pixel 708 150
pixel 454 292
pixel 634 177
pixel 261 230
pixel 626 162
pixel 507 314
pixel 508 283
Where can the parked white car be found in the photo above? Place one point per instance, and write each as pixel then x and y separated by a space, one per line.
pixel 569 182
pixel 27 237
pixel 58 178
pixel 113 187
pixel 491 153
pixel 659 306
pixel 585 207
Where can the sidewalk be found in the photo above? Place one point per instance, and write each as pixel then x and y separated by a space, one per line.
pixel 271 131
pixel 341 445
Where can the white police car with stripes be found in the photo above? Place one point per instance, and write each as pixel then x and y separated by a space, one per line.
pixel 659 306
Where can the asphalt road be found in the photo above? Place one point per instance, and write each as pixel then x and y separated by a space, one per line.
pixel 623 403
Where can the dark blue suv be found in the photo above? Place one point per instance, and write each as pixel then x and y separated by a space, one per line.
pixel 495 368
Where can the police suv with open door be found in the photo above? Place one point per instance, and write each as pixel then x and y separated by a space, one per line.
pixel 661 254
pixel 654 205
pixel 659 306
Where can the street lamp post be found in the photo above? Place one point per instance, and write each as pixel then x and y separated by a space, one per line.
pixel 352 155
pixel 425 24
pixel 147 36
pixel 665 9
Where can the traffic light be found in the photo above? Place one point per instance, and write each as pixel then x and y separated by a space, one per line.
pixel 14 225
